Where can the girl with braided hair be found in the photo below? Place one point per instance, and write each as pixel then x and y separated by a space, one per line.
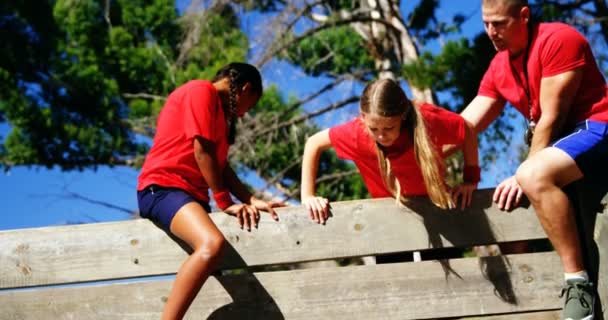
pixel 397 147
pixel 188 157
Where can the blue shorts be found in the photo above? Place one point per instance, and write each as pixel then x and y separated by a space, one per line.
pixel 587 144
pixel 160 204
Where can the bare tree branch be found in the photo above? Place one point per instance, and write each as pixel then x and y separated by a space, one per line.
pixel 279 176
pixel 106 14
pixel 168 64
pixel 144 96
pixel 336 176
pixel 310 32
pixel 194 18
pixel 78 196
pixel 333 106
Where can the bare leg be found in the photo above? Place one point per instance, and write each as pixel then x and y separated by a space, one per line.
pixel 542 178
pixel 193 225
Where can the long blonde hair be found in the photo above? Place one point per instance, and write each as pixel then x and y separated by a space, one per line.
pixel 386 98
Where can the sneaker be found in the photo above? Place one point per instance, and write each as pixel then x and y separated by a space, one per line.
pixel 578 301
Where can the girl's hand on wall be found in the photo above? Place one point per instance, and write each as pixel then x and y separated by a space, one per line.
pixel 318 208
pixel 245 214
pixel 267 206
pixel 465 193
pixel 508 194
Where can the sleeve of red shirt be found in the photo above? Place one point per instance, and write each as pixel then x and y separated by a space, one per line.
pixel 563 51
pixel 487 87
pixel 200 110
pixel 343 139
pixel 444 126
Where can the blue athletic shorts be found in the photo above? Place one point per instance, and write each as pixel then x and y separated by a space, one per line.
pixel 587 144
pixel 160 204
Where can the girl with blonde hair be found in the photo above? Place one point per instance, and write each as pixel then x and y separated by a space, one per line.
pixel 397 147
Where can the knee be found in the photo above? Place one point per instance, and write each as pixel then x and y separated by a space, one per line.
pixel 532 179
pixel 210 247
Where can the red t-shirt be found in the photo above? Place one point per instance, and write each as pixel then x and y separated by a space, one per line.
pixel 556 48
pixel 194 109
pixel 352 142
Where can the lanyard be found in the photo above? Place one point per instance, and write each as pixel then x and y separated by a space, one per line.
pixel 520 82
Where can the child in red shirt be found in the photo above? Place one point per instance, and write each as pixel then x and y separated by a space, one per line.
pixel 396 146
pixel 189 156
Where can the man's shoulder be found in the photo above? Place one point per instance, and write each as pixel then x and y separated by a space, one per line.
pixel 557 30
pixel 550 27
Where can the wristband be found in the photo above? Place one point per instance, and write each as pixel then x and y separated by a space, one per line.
pixel 223 199
pixel 471 174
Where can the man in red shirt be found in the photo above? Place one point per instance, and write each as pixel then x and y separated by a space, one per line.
pixel 547 72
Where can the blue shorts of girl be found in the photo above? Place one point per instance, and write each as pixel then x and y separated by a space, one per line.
pixel 587 144
pixel 160 204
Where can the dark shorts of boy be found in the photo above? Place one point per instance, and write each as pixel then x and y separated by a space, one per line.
pixel 587 144
pixel 160 204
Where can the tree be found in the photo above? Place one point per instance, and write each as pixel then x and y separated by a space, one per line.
pixel 358 41
pixel 589 16
pixel 83 80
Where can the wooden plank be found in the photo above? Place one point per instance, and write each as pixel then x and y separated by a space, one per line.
pixel 134 248
pixel 423 290
pixel 540 315
pixel 601 239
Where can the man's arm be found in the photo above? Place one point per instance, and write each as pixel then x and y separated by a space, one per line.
pixel 480 112
pixel 556 96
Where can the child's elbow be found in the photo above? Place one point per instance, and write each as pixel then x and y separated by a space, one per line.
pixel 309 146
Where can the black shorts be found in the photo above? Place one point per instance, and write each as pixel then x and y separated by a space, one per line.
pixel 160 204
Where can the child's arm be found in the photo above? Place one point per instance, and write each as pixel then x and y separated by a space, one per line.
pixel 470 153
pixel 471 171
pixel 318 207
pixel 204 154
pixel 240 191
pixel 206 159
pixel 236 187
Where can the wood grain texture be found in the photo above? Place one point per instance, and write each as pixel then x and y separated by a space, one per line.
pixel 539 315
pixel 77 253
pixel 423 290
pixel 601 239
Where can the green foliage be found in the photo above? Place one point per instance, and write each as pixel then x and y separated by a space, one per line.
pixel 79 79
pixel 278 153
pixel 424 25
pixel 423 14
pixel 336 51
pixel 456 70
pixel 66 67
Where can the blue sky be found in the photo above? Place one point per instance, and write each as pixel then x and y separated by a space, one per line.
pixel 36 197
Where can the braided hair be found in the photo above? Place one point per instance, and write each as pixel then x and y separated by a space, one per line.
pixel 238 74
